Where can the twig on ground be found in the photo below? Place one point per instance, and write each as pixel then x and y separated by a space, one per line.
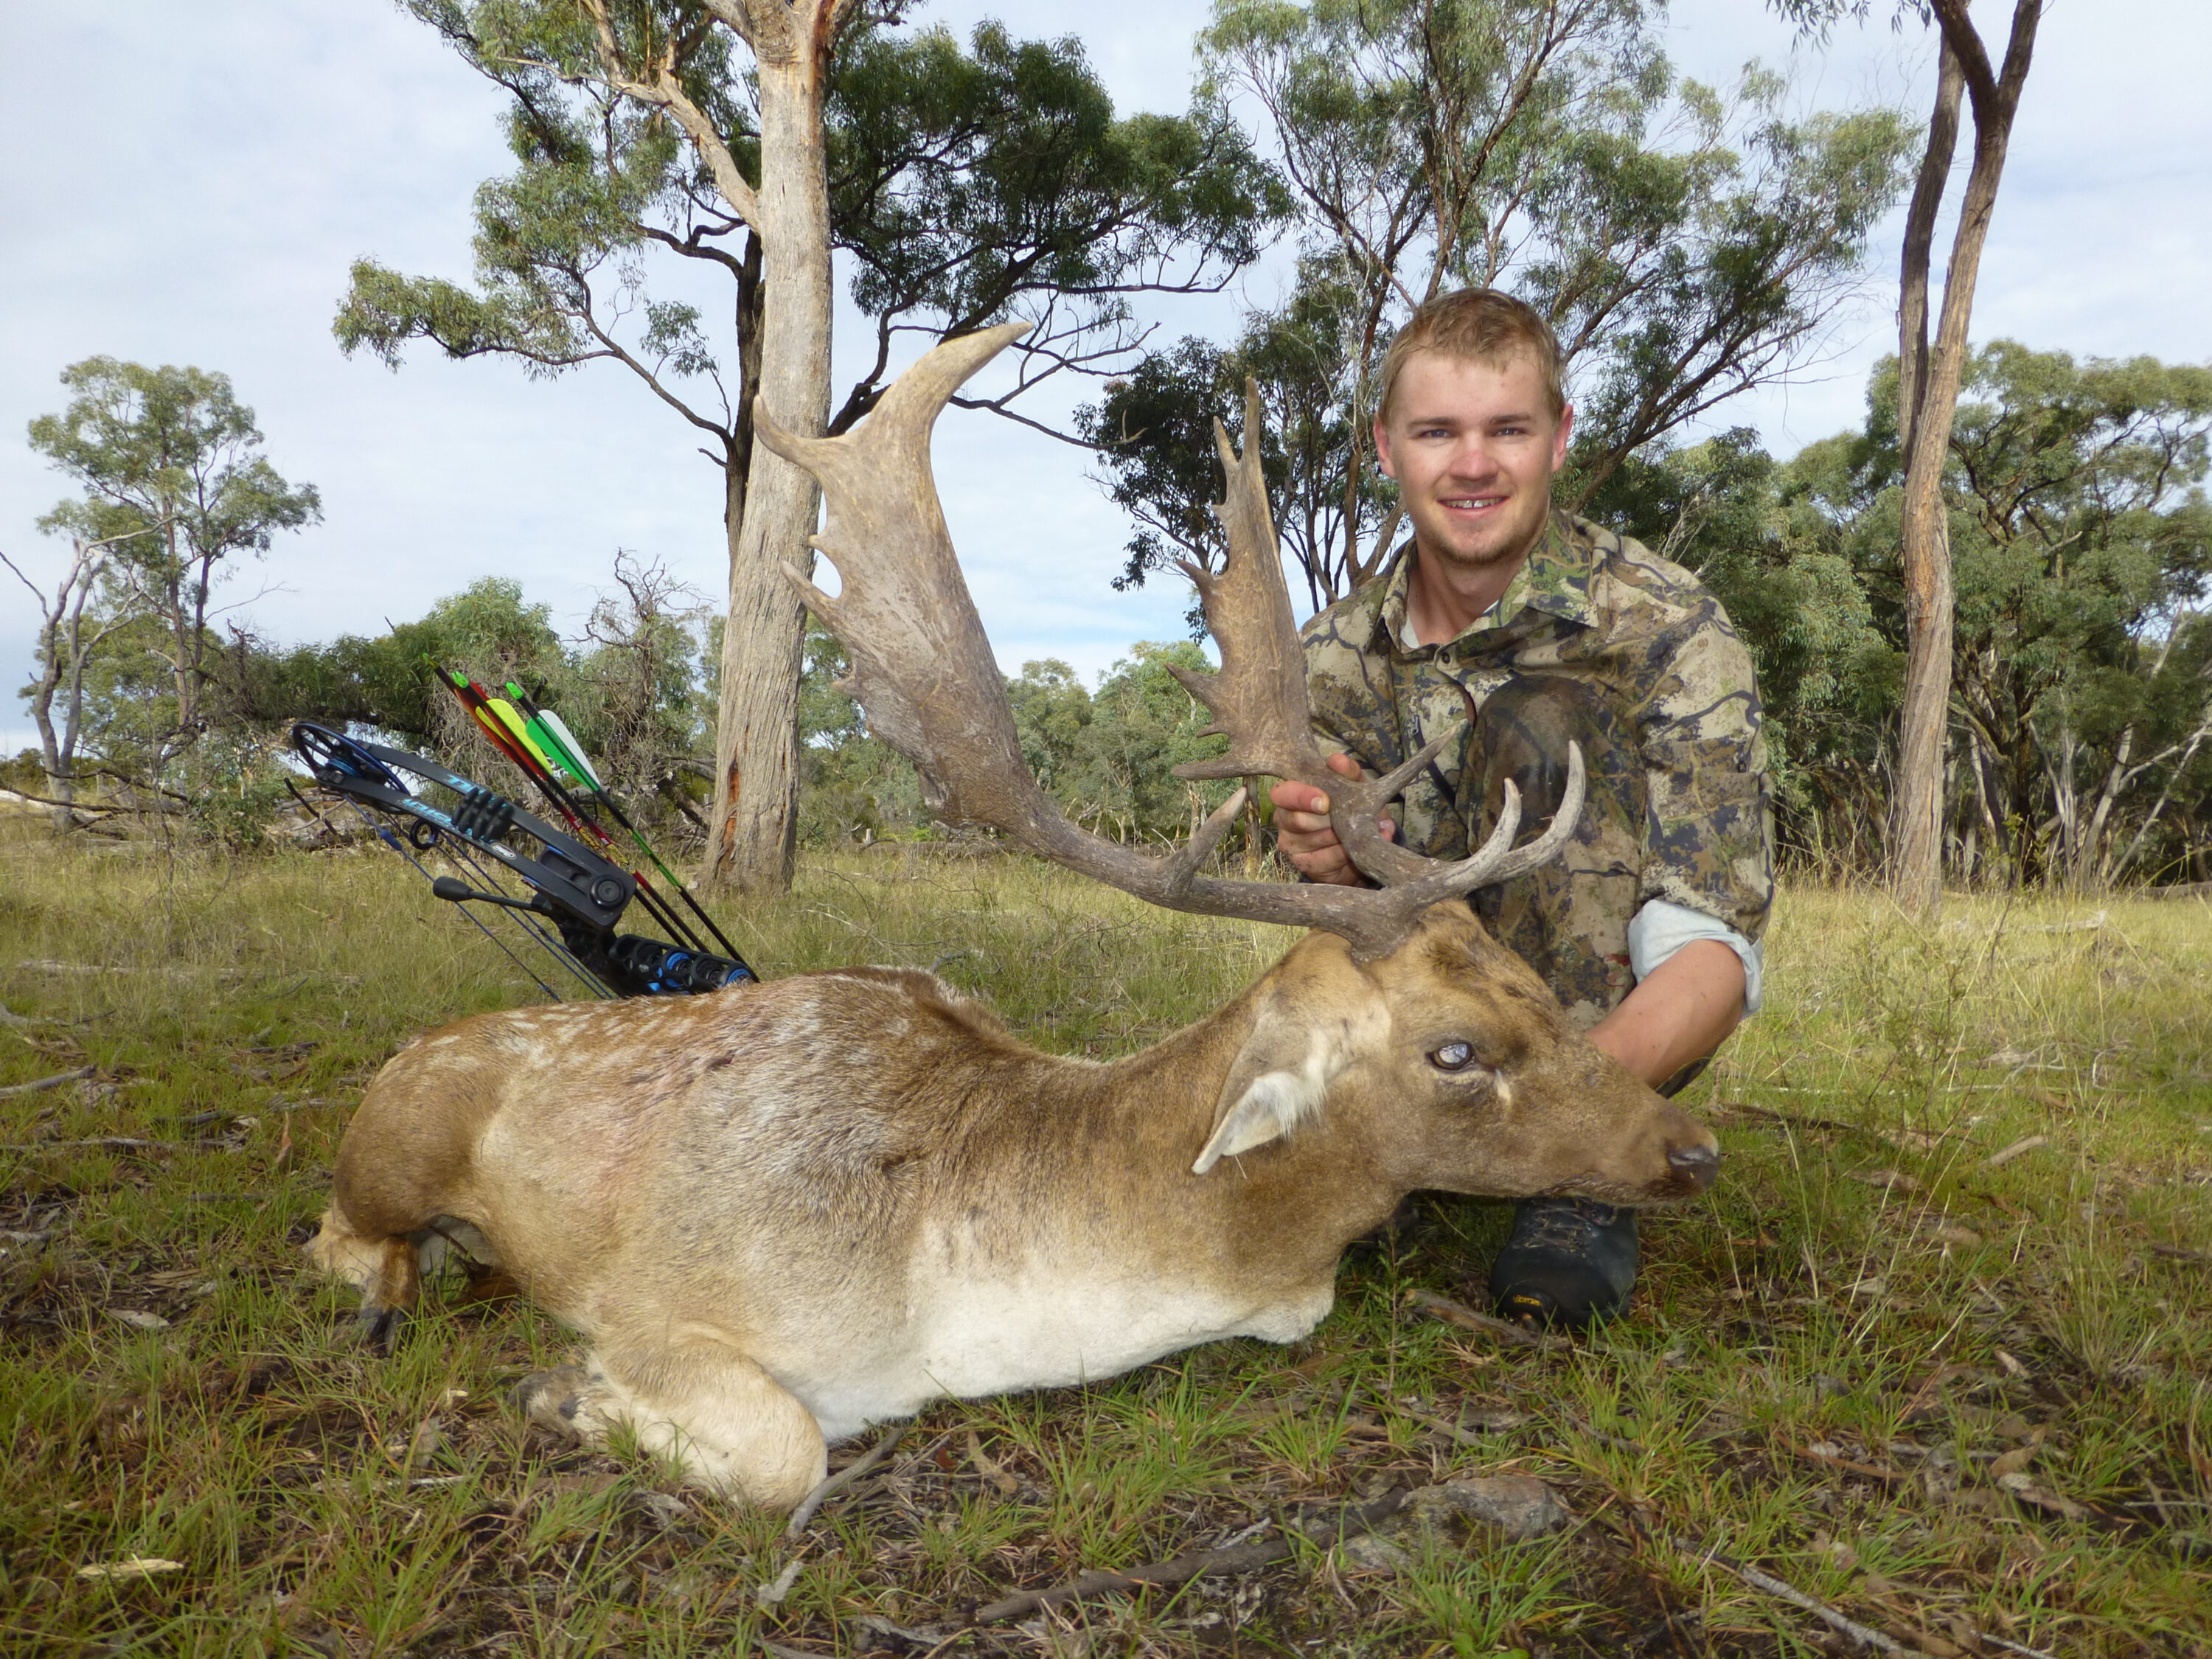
pixel 844 1477
pixel 1611 1442
pixel 778 1650
pixel 1459 1314
pixel 2018 1149
pixel 1831 1126
pixel 1865 1636
pixel 1197 1563
pixel 114 1142
pixel 53 1082
pixel 1829 1460
pixel 2186 889
pixel 2175 1253
pixel 2094 924
pixel 1496 1422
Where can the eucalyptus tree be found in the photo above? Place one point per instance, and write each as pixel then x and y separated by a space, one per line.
pixel 1929 375
pixel 70 636
pixel 1686 245
pixel 654 155
pixel 174 489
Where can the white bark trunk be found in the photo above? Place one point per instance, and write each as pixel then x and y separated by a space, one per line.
pixel 752 833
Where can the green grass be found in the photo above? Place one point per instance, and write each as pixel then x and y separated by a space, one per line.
pixel 1825 1361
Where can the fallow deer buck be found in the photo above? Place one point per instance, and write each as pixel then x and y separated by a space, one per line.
pixel 783 1211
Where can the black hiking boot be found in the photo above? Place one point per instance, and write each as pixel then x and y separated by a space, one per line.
pixel 1568 1261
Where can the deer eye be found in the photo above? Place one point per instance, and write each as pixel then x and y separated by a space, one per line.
pixel 1452 1057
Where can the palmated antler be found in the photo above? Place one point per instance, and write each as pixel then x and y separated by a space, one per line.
pixel 923 670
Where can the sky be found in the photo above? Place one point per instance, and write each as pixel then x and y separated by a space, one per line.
pixel 189 185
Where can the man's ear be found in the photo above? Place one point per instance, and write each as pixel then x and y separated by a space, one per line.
pixel 1313 1019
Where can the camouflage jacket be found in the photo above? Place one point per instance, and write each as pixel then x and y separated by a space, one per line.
pixel 1586 603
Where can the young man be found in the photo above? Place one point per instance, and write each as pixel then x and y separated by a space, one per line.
pixel 1535 629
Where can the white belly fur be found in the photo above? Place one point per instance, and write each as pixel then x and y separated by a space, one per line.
pixel 968 1337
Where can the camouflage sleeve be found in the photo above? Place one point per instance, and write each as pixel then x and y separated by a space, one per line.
pixel 1711 823
pixel 1348 696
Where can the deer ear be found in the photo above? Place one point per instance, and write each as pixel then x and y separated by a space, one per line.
pixel 1281 1076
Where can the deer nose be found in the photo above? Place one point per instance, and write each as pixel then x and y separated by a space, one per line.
pixel 1695 1166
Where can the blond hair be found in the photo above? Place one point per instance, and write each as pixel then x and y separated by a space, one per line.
pixel 1478 325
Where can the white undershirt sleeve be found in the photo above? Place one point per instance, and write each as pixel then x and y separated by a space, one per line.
pixel 1661 927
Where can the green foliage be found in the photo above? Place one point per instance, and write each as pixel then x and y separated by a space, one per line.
pixel 1154 431
pixel 966 184
pixel 852 786
pixel 973 186
pixel 1142 725
pixel 1105 757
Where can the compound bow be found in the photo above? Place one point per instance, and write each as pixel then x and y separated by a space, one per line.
pixel 575 887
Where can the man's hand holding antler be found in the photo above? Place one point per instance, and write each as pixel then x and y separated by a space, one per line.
pixel 1308 838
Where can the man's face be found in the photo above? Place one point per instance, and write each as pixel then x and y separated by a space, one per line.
pixel 1472 446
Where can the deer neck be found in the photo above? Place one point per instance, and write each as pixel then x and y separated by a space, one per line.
pixel 1286 1209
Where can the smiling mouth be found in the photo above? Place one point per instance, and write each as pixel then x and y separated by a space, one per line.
pixel 1471 503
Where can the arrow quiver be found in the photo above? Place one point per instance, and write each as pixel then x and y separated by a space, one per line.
pixel 575 891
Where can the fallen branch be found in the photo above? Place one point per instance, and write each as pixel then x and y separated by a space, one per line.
pixel 1611 1441
pixel 2175 1253
pixel 810 1504
pixel 53 1082
pixel 2094 924
pixel 1829 1460
pixel 1199 1563
pixel 48 800
pixel 1459 1314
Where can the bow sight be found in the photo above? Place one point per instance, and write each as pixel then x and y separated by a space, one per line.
pixel 581 893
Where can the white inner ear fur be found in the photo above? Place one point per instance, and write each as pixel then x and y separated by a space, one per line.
pixel 1274 1104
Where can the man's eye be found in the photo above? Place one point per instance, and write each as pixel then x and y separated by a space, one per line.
pixel 1452 1057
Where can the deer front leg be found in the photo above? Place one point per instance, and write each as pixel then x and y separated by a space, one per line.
pixel 732 1426
pixel 386 1270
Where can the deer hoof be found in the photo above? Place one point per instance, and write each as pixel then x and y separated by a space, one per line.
pixel 555 1400
pixel 377 1328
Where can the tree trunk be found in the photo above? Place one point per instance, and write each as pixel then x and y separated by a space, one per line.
pixel 1916 853
pixel 752 833
pixel 1920 242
